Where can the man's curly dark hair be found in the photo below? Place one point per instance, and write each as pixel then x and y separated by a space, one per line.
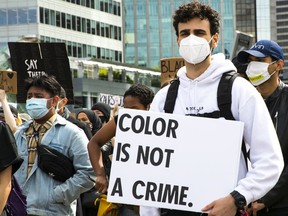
pixel 47 82
pixel 196 9
pixel 144 93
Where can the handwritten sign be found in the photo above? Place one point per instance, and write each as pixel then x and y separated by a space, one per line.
pixel 173 161
pixel 169 68
pixel 8 81
pixel 111 100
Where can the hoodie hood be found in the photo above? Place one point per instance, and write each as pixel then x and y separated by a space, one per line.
pixel 218 66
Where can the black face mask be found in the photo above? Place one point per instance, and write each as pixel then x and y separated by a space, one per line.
pixel 103 119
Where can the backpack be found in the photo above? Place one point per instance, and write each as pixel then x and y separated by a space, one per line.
pixel 224 100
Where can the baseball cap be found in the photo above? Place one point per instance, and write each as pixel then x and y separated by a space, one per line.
pixel 262 49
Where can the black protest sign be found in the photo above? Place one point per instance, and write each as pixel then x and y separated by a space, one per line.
pixel 36 59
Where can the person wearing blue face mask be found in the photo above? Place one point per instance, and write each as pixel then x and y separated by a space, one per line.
pixel 266 62
pixel 46 195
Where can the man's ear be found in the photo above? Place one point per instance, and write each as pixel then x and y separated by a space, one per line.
pixel 55 101
pixel 215 40
pixel 64 101
pixel 178 41
pixel 280 64
pixel 148 107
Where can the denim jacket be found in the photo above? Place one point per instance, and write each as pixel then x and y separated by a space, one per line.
pixel 46 196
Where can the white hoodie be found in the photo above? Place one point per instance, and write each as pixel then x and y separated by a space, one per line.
pixel 200 96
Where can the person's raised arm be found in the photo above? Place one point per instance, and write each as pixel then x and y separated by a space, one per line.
pixel 8 115
pixel 106 133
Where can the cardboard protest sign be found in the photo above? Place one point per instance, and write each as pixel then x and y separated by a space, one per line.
pixel 8 81
pixel 169 68
pixel 173 161
pixel 111 100
pixel 36 59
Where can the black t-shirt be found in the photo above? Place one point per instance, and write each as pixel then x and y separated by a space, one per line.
pixel 8 154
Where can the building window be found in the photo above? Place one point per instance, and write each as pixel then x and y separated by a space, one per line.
pixel 83 29
pixel 32 16
pixel 88 26
pixel 63 20
pixel 93 27
pixel 41 15
pixel 22 16
pixel 98 28
pixel 73 22
pixel 46 16
pixel 12 16
pixel 58 19
pixel 68 21
pixel 78 24
pixel 3 17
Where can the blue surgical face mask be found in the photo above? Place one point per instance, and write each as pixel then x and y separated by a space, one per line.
pixel 37 107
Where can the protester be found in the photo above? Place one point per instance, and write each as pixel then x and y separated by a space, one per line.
pixel 91 119
pixel 45 194
pixel 136 97
pixel 103 111
pixel 197 29
pixel 266 62
pixel 65 113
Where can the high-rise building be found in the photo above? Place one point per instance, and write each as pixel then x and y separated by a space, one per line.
pixel 279 9
pixel 245 21
pixel 149 34
pixel 89 28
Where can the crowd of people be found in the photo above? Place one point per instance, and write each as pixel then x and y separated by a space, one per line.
pixel 85 142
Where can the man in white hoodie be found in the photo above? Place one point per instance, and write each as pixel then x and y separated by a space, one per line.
pixel 197 30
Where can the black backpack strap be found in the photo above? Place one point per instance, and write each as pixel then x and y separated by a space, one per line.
pixel 224 99
pixel 171 96
pixel 224 96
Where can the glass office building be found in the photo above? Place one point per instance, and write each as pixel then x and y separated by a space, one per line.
pixel 280 32
pixel 150 36
pixel 246 16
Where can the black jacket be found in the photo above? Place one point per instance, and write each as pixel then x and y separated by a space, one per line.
pixel 277 105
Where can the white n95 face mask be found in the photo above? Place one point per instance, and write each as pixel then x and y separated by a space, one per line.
pixel 194 49
pixel 257 72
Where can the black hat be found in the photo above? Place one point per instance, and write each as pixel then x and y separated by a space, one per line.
pixel 104 108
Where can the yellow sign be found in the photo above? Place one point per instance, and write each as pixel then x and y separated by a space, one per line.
pixel 169 68
pixel 8 81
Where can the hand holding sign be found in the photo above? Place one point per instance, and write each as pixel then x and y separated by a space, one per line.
pixel 169 161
